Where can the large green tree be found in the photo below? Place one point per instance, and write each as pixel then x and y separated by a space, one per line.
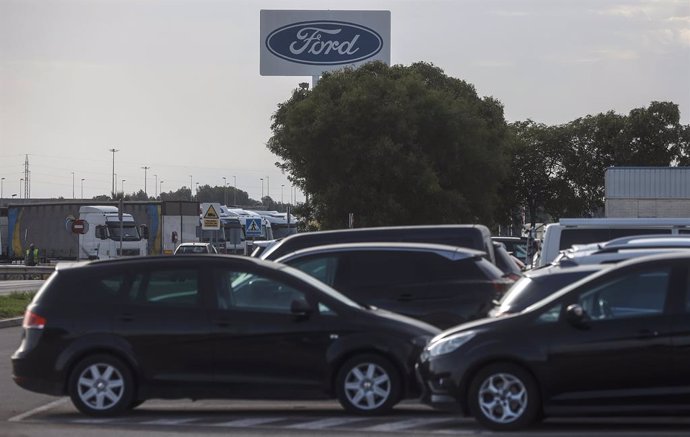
pixel 560 169
pixel 393 145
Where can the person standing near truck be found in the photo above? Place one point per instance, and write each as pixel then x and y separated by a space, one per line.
pixel 31 256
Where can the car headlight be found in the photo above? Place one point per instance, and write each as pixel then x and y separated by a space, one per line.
pixel 449 344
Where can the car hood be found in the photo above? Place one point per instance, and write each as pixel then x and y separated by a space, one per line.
pixel 487 323
pixel 414 326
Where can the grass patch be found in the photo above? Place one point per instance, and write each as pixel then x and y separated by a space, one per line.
pixel 15 303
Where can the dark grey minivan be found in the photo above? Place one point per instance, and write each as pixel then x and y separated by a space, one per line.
pixel 476 237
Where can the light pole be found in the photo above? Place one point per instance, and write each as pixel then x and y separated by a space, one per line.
pixel 225 191
pixel 191 188
pixel 156 185
pixel 114 184
pixel 123 188
pixel 2 187
pixel 234 191
pixel 161 188
pixel 281 192
pixel 262 190
pixel 145 169
pixel 20 187
pixel 72 185
pixel 197 191
pixel 82 187
pixel 268 187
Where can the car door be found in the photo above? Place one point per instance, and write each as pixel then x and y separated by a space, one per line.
pixel 681 343
pixel 165 322
pixel 263 349
pixel 622 353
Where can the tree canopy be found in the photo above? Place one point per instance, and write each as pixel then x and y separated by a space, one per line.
pixel 393 145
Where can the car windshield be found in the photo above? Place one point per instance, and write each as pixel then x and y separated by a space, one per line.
pixel 130 232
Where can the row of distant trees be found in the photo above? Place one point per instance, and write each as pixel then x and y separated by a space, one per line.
pixel 410 145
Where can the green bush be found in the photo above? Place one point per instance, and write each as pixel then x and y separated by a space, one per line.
pixel 14 304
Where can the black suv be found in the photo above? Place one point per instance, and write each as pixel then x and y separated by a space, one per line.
pixel 441 285
pixel 112 334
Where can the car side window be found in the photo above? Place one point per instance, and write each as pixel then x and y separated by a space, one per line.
pixel 322 268
pixel 638 294
pixel 101 289
pixel 166 287
pixel 249 291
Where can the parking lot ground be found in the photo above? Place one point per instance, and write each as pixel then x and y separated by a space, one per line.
pixel 316 418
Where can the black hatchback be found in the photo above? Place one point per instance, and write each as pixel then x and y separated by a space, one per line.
pixel 613 343
pixel 112 334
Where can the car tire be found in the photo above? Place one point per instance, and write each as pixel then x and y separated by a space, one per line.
pixel 368 384
pixel 504 397
pixel 101 385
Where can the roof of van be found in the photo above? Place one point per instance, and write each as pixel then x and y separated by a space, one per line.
pixel 624 222
pixel 331 234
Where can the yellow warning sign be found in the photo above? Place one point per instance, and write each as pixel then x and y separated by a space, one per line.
pixel 211 213
pixel 210 219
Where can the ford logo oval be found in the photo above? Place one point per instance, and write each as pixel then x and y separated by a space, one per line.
pixel 324 42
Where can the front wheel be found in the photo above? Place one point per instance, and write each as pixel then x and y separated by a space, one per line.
pixel 101 385
pixel 504 397
pixel 368 384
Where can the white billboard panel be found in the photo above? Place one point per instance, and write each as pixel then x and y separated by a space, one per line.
pixel 307 43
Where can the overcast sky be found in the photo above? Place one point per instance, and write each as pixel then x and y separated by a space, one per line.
pixel 175 84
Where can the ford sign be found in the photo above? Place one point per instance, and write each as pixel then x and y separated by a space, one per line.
pixel 324 42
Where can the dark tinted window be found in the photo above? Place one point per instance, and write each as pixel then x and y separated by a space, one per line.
pixel 86 286
pixel 322 268
pixel 527 290
pixel 179 287
pixel 637 294
pixel 371 268
pixel 240 290
pixel 570 236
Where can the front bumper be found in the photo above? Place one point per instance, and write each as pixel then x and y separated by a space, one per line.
pixel 439 388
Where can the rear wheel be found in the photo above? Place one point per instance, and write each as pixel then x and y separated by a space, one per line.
pixel 368 384
pixel 101 385
pixel 504 397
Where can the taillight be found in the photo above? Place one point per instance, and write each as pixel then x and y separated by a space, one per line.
pixel 33 320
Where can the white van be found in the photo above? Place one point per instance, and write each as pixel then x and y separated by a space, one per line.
pixel 562 235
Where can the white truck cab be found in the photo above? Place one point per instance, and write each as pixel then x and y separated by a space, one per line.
pixel 109 234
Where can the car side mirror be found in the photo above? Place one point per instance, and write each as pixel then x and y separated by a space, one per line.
pixel 576 315
pixel 300 308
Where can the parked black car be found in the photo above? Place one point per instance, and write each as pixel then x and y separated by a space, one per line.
pixel 537 284
pixel 441 285
pixel 613 343
pixel 112 334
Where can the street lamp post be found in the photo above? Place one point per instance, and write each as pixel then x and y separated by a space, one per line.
pixel 262 190
pixel 191 188
pixel 268 187
pixel 82 187
pixel 197 191
pixel 281 192
pixel 234 191
pixel 156 185
pixel 20 187
pixel 114 184
pixel 225 191
pixel 72 185
pixel 123 188
pixel 145 191
pixel 2 187
pixel 161 188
